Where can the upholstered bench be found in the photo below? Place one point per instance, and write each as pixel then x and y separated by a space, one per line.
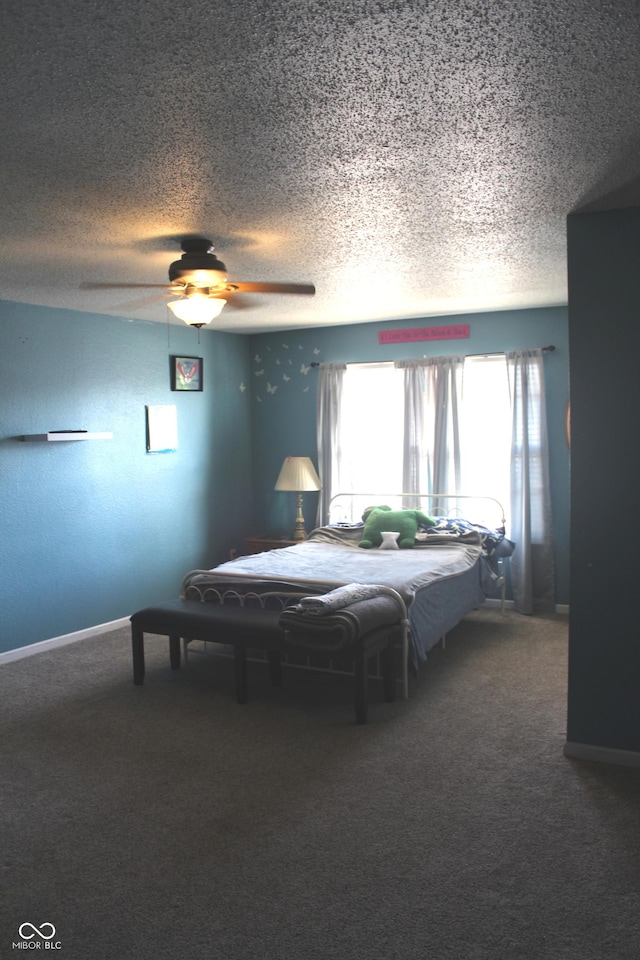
pixel 357 632
pixel 240 627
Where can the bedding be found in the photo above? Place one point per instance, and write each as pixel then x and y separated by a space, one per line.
pixel 447 529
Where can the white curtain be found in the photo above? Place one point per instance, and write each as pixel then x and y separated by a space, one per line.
pixel 328 433
pixel 532 564
pixel 431 456
pixel 414 461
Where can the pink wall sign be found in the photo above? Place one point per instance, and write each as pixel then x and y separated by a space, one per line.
pixel 454 331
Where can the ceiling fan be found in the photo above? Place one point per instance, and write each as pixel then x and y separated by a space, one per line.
pixel 201 281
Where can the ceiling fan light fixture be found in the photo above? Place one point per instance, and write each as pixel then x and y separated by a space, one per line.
pixel 200 280
pixel 197 311
pixel 198 265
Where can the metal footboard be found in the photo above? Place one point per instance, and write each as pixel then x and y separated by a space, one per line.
pixel 271 592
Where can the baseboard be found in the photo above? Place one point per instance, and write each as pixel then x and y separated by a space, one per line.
pixel 496 602
pixel 588 751
pixel 44 645
pixel 510 605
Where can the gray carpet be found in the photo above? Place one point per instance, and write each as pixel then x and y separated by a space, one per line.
pixel 166 821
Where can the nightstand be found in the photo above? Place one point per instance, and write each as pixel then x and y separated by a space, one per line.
pixel 261 544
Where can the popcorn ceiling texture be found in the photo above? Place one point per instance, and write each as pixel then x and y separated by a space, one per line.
pixel 411 158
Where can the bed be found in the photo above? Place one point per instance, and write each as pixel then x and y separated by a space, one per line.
pixel 452 568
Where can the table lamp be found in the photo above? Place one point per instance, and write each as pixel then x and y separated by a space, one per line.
pixel 298 474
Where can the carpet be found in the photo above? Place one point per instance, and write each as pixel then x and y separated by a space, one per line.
pixel 167 821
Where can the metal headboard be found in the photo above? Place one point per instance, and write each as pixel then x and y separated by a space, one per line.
pixel 414 501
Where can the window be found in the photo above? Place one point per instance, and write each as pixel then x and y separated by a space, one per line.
pixel 485 431
pixel 371 437
pixel 370 434
pixel 472 426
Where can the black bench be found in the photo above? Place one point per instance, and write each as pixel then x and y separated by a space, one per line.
pixel 358 632
pixel 241 627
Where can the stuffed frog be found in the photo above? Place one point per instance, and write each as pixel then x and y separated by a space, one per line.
pixel 383 518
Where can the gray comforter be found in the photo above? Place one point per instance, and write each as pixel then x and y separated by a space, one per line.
pixel 407 571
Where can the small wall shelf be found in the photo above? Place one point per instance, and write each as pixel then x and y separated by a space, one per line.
pixel 67 435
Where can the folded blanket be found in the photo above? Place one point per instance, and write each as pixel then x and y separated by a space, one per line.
pixel 338 598
pixel 363 620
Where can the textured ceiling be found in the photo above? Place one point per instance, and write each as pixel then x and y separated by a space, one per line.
pixel 410 157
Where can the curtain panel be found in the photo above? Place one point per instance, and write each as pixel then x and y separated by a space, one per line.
pixel 532 564
pixel 432 453
pixel 328 433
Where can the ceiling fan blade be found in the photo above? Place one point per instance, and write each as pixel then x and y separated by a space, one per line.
pixel 141 303
pixel 236 301
pixel 244 286
pixel 125 286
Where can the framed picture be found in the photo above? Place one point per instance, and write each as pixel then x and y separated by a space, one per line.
pixel 186 373
pixel 162 428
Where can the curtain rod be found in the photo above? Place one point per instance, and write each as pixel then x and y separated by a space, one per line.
pixel 548 349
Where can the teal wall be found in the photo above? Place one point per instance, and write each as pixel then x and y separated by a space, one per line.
pixel 92 531
pixel 284 419
pixel 604 326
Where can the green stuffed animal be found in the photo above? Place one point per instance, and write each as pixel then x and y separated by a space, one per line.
pixel 405 522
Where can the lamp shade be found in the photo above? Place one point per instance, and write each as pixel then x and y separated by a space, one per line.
pixel 197 311
pixel 297 473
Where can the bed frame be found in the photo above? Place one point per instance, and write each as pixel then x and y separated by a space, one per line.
pixel 223 586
